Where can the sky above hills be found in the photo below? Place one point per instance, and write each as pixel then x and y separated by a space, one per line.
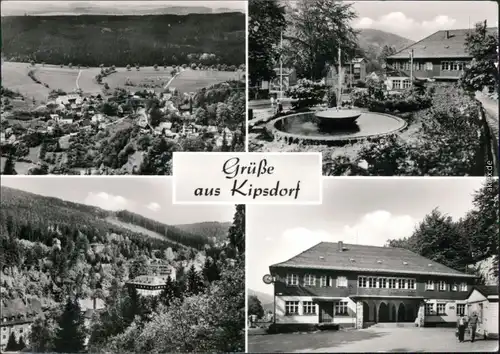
pixel 147 196
pixel 19 7
pixel 416 19
pixel 357 211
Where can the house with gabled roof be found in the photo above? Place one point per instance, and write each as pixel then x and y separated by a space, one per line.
pixel 357 286
pixel 483 300
pixel 442 56
pixel 17 317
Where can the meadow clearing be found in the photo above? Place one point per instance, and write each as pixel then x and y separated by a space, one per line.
pixel 145 78
pixel 15 77
pixel 193 80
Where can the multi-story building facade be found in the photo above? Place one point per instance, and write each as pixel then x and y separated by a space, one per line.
pixel 17 316
pixel 352 72
pixel 442 56
pixel 154 279
pixel 356 285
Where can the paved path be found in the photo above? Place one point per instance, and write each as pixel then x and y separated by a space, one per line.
pixel 78 78
pixel 370 340
pixel 491 108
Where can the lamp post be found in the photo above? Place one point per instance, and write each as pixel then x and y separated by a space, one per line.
pixel 411 68
pixel 339 99
pixel 281 67
pixel 269 279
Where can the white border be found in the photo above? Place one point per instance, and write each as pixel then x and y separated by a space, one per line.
pixel 319 155
pixel 246 78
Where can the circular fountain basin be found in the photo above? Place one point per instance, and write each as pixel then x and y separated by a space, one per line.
pixel 338 116
pixel 309 128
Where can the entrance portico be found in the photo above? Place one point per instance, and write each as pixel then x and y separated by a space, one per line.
pixel 371 310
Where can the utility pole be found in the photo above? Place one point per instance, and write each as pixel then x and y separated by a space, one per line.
pixel 281 67
pixel 340 80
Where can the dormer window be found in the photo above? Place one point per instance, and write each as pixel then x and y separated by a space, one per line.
pixel 352 260
pixel 429 265
pixel 405 263
pixel 442 285
pixel 379 261
pixel 309 280
pixel 292 279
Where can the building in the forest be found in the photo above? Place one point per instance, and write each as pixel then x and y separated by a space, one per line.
pixel 356 286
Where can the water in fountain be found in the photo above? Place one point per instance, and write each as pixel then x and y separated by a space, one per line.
pixel 344 126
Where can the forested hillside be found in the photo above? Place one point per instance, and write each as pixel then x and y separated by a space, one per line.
pixel 211 229
pixel 92 40
pixel 33 218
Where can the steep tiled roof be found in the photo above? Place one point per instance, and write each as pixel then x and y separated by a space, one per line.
pixel 326 255
pixel 17 307
pixel 486 290
pixel 439 45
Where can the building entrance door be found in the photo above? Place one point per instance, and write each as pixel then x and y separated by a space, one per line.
pixel 325 312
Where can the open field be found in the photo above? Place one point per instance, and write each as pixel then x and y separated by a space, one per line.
pixel 139 229
pixel 57 77
pixel 87 82
pixel 145 78
pixel 193 80
pixel 15 77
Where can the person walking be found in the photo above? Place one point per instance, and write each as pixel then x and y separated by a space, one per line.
pixel 272 101
pixel 474 319
pixel 461 324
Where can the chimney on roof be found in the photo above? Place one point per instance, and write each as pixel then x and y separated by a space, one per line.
pixel 447 35
pixel 340 245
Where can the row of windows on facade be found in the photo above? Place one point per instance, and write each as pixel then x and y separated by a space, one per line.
pixel 428 66
pixel 373 282
pixel 440 309
pixel 309 308
pixel 340 308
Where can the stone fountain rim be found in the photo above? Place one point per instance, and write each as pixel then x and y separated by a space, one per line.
pixel 271 125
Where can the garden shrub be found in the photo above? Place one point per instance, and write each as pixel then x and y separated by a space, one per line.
pixel 360 84
pixel 307 93
pixel 360 97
